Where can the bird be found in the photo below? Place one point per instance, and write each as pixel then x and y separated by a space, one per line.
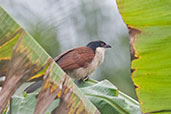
pixel 78 63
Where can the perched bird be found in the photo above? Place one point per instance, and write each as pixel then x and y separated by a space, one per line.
pixel 79 62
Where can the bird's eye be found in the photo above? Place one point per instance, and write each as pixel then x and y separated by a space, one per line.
pixel 102 44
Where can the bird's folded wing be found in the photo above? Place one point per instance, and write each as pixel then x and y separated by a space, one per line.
pixel 75 58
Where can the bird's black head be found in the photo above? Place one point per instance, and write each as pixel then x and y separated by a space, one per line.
pixel 96 44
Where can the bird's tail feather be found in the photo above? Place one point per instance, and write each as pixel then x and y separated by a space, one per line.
pixel 34 86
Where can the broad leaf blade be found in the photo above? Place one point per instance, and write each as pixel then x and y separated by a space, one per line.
pixel 25 105
pixel 106 97
pixel 26 59
pixel 21 105
pixel 8 38
pixel 152 48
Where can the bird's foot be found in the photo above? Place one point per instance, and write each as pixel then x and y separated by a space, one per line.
pixel 85 78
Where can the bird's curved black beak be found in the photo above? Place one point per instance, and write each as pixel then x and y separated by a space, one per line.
pixel 107 46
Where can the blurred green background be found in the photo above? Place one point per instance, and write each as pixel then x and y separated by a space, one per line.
pixel 59 25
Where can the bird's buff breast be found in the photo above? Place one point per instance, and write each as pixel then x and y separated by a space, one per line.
pixel 82 72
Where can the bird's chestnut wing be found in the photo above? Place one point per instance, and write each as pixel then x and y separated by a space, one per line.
pixel 75 58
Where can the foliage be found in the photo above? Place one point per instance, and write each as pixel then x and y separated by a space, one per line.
pixel 26 104
pixel 104 95
pixel 108 99
pixel 151 20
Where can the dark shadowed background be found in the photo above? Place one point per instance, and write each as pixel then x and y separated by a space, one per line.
pixel 59 25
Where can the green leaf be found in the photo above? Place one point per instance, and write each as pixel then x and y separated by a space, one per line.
pixel 25 105
pixel 152 49
pixel 24 61
pixel 106 97
pixel 103 94
pixel 8 38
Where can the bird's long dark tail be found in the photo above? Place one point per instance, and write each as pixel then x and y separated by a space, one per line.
pixel 34 86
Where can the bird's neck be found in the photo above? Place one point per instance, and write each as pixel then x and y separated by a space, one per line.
pixel 99 56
